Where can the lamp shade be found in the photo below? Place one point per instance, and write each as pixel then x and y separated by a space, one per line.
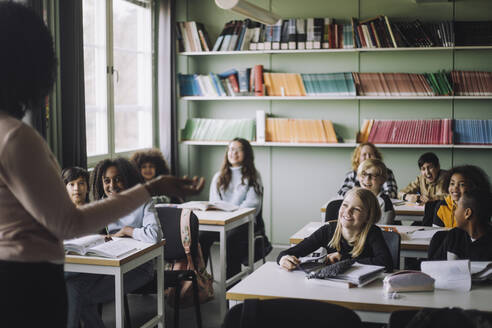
pixel 249 10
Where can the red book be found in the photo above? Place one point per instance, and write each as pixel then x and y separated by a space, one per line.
pixel 235 85
pixel 259 90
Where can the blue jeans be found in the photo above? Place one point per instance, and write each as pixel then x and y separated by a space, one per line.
pixel 85 291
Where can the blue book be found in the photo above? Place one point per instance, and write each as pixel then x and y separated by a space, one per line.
pixel 227 73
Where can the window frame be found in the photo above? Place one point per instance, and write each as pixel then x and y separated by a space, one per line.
pixel 110 76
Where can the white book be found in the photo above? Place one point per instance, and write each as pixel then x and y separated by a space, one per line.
pixel 97 245
pixel 260 126
pixel 452 275
pixel 206 205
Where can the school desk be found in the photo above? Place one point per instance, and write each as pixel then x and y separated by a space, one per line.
pixel 370 303
pixel 117 267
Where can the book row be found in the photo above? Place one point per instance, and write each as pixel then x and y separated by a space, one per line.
pixel 325 33
pixel 289 130
pixel 265 129
pixel 431 132
pixel 255 82
pixel 472 132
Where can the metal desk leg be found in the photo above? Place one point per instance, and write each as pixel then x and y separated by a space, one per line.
pixel 223 278
pixel 251 244
pixel 160 288
pixel 118 289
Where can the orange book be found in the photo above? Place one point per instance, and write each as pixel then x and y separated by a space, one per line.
pixel 259 91
pixel 330 131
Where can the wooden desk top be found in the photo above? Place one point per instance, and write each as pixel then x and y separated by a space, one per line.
pixel 413 244
pixel 142 248
pixel 407 209
pixel 270 281
pixel 221 218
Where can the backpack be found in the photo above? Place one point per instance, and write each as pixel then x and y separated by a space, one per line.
pixel 196 264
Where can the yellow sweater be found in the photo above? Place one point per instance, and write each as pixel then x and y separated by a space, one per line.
pixel 445 213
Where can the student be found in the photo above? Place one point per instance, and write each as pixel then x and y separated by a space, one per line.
pixel 76 179
pixel 36 213
pixel 372 174
pixel 428 186
pixel 86 291
pixel 238 182
pixel 150 163
pixel 353 235
pixel 362 152
pixel 472 237
pixel 458 180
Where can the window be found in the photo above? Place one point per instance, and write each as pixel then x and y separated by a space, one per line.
pixel 118 76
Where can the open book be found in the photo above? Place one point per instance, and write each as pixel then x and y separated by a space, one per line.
pixel 97 245
pixel 204 205
pixel 481 270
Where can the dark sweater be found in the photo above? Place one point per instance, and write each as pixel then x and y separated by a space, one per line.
pixel 459 242
pixel 375 251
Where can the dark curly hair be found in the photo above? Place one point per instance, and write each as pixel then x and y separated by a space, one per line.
pixel 248 169
pixel 475 177
pixel 153 156
pixel 27 59
pixel 126 169
pixel 73 173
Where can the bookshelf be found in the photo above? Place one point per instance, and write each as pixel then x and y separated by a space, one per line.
pixel 289 98
pixel 298 178
pixel 317 51
pixel 349 144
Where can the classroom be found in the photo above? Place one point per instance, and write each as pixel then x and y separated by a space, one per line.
pixel 165 108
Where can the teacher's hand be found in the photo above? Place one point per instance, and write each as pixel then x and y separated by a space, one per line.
pixel 173 186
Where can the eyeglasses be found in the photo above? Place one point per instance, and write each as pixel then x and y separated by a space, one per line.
pixel 365 175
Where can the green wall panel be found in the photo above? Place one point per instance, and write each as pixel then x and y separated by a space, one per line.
pixel 298 180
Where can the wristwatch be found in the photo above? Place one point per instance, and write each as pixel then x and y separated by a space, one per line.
pixel 404 197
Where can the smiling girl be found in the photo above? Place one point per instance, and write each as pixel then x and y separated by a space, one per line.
pixel 372 174
pixel 239 183
pixel 362 152
pixel 458 180
pixel 353 235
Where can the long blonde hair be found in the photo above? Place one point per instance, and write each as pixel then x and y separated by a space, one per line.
pixel 371 208
pixel 358 149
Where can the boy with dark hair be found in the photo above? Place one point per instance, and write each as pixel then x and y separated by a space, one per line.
pixel 428 186
pixel 472 238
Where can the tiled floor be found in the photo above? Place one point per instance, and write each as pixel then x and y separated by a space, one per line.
pixel 143 307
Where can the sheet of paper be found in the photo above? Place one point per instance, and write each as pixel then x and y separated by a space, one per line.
pixel 452 275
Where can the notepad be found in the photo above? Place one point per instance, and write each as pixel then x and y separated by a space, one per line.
pixel 96 245
pixel 452 275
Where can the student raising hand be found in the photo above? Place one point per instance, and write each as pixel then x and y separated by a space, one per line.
pixel 173 186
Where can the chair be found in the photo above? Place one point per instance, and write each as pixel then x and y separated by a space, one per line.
pixel 332 209
pixel 262 246
pixel 393 240
pixel 288 313
pixel 169 219
pixel 436 249
pixel 445 317
pixel 429 211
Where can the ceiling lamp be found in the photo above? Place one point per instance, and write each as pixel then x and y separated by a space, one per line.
pixel 249 10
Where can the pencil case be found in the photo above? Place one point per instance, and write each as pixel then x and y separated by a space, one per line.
pixel 408 281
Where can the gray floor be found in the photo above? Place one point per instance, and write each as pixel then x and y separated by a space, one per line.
pixel 143 307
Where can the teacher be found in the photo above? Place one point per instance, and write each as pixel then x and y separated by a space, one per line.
pixel 36 213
